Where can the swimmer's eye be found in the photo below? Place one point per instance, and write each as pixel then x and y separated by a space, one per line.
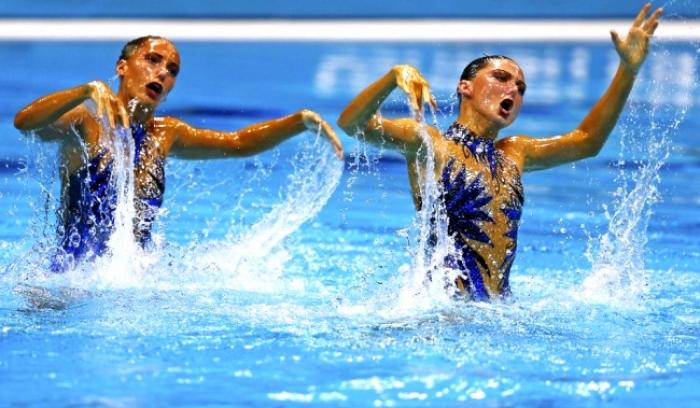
pixel 153 58
pixel 521 88
pixel 173 69
pixel 501 75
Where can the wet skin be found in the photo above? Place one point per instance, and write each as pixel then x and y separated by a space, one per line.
pixel 491 101
pixel 146 78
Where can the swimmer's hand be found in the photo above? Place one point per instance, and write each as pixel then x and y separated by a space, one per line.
pixel 314 122
pixel 634 48
pixel 107 105
pixel 410 80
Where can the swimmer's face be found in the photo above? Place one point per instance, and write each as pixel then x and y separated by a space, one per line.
pixel 149 74
pixel 496 92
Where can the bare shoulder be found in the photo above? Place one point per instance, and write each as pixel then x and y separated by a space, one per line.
pixel 168 121
pixel 170 126
pixel 515 148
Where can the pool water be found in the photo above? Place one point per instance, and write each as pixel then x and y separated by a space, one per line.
pixel 287 278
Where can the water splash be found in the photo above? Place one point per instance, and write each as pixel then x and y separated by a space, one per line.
pixel 424 285
pixel 618 272
pixel 433 242
pixel 254 259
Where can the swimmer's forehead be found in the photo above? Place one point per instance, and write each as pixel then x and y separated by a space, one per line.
pixel 505 65
pixel 162 47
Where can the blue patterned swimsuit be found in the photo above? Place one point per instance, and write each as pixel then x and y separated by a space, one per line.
pixel 91 201
pixel 467 196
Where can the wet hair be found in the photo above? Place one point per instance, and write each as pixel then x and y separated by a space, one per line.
pixel 133 45
pixel 478 64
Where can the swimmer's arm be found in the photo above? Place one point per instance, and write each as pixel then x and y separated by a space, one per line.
pixel 587 139
pixel 360 118
pixel 55 115
pixel 591 134
pixel 194 143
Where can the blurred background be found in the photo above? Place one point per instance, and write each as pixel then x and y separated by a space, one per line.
pixel 320 9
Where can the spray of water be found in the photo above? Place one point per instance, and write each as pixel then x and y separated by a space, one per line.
pixel 618 273
pixel 433 242
pixel 253 259
pixel 423 285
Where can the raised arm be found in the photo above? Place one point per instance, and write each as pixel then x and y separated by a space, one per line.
pixel 54 110
pixel 590 135
pixel 193 143
pixel 360 116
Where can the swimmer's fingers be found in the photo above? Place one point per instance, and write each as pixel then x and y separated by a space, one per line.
pixel 333 138
pixel 641 16
pixel 110 108
pixel 416 88
pixel 120 113
pixel 413 93
pixel 124 116
pixel 102 96
pixel 617 42
pixel 653 21
pixel 99 107
pixel 416 100
pixel 428 97
pixel 313 121
pixel 107 111
pixel 96 97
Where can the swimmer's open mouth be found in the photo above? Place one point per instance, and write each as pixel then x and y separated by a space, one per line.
pixel 155 89
pixel 506 106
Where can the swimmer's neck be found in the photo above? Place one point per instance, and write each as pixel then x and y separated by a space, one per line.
pixel 139 113
pixel 476 123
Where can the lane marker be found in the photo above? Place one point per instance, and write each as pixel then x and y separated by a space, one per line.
pixel 336 30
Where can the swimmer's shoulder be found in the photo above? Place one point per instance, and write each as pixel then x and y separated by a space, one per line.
pixel 514 148
pixel 168 130
pixel 170 125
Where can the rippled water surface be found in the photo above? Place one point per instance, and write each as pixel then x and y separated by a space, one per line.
pixel 287 278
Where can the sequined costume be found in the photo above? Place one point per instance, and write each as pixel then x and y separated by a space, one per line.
pixel 473 189
pixel 91 201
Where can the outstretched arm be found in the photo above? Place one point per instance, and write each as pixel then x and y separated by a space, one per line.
pixel 53 109
pixel 193 143
pixel 360 117
pixel 590 135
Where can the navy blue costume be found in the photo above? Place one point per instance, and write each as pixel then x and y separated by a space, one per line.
pixel 466 196
pixel 88 215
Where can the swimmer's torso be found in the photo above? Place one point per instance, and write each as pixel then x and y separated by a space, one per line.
pixel 89 190
pixel 483 197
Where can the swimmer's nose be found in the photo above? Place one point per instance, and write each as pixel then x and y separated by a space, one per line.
pixel 512 89
pixel 162 73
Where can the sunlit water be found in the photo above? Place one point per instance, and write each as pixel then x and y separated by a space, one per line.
pixel 293 278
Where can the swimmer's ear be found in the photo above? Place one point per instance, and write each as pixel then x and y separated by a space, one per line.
pixel 121 67
pixel 464 88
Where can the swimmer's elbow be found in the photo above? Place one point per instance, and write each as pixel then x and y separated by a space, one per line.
pixel 347 126
pixel 593 151
pixel 588 144
pixel 21 121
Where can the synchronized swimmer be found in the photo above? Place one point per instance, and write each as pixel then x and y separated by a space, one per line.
pixel 479 177
pixel 147 70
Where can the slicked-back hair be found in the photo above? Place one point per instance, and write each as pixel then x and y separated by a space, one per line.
pixel 130 48
pixel 475 66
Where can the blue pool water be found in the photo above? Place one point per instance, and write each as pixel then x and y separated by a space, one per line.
pixel 286 279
